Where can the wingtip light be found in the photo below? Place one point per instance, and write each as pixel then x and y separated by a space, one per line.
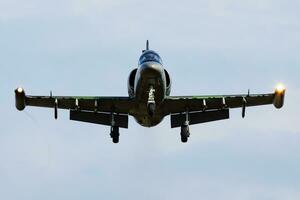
pixel 278 100
pixel 280 88
pixel 20 90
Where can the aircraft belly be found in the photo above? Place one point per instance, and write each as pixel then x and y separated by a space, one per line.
pixel 149 75
pixel 148 121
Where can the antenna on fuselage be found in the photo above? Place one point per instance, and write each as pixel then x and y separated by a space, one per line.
pixel 147 45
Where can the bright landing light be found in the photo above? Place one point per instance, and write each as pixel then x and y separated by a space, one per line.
pixel 20 90
pixel 280 88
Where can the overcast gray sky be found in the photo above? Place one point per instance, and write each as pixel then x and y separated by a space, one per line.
pixel 88 47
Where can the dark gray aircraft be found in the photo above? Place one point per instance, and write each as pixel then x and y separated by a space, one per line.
pixel 149 101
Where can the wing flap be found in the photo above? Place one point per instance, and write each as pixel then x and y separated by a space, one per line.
pixel 199 117
pixel 100 118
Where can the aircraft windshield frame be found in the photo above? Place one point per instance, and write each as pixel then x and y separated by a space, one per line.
pixel 150 57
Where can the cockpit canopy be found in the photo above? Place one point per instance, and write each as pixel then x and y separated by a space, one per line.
pixel 150 56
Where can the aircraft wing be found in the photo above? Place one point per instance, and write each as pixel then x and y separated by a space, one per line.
pixel 100 104
pixel 93 109
pixel 215 107
pixel 177 104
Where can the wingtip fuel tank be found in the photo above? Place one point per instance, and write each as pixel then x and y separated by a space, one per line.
pixel 20 98
pixel 279 96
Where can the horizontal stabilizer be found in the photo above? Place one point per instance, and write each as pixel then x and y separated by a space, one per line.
pixel 100 118
pixel 199 117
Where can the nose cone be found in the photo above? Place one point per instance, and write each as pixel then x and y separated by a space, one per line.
pixel 151 69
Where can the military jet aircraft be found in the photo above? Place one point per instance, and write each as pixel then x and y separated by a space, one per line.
pixel 149 101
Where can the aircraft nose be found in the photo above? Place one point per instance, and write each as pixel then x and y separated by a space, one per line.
pixel 151 69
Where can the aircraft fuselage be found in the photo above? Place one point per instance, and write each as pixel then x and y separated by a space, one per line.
pixel 150 86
